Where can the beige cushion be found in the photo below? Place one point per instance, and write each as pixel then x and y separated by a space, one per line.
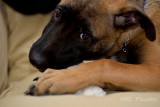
pixel 14 97
pixel 3 48
pixel 23 32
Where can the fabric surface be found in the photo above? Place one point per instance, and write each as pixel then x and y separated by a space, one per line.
pixel 3 48
pixel 16 98
pixel 23 31
pixel 113 100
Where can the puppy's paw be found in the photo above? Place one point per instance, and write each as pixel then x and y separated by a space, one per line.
pixel 53 82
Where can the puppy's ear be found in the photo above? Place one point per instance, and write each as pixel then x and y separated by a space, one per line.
pixel 131 17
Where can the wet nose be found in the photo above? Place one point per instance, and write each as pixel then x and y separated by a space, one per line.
pixel 38 60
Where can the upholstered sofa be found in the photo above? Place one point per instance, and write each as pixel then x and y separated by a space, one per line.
pixel 17 33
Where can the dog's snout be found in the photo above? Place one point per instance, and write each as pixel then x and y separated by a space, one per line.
pixel 38 60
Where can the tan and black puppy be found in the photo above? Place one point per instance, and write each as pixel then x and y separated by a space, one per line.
pixel 99 29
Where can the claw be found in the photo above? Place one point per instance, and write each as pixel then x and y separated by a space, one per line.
pixel 32 87
pixel 31 90
pixel 36 79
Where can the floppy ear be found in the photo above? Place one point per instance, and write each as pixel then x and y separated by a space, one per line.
pixel 131 17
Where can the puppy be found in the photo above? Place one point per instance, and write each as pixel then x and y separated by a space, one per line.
pixel 98 30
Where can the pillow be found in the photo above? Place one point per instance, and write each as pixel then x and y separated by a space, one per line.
pixel 3 49
pixel 24 30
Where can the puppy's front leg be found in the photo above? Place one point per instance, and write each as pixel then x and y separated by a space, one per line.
pixel 103 73
pixel 66 80
pixel 135 77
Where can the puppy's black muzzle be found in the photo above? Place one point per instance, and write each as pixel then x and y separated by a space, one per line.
pixel 65 41
pixel 55 59
pixel 38 60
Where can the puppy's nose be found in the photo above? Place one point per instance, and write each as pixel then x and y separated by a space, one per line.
pixel 38 60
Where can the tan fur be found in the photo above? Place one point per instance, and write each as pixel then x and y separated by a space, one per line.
pixel 106 73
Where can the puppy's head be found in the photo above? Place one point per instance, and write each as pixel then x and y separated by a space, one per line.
pixel 87 29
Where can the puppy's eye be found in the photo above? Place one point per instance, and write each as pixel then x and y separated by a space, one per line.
pixel 84 36
pixel 58 12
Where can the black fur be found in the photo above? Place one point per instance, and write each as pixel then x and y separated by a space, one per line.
pixel 33 6
pixel 60 45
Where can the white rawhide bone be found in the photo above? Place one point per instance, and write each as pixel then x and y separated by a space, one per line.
pixel 91 90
